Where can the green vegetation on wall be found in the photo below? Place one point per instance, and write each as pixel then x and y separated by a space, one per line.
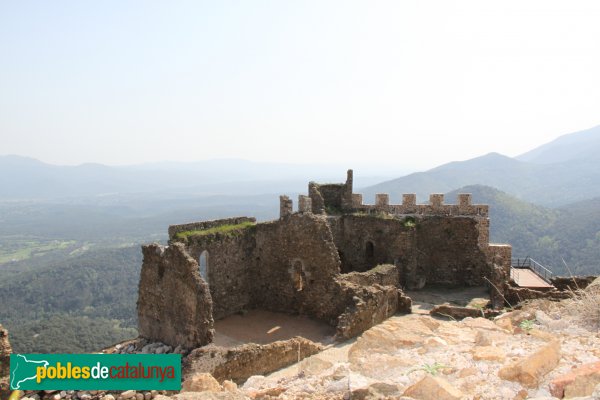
pixel 228 229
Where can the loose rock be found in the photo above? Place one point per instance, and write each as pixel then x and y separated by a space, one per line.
pixel 529 370
pixel 201 382
pixel 433 388
pixel 488 353
pixel 128 394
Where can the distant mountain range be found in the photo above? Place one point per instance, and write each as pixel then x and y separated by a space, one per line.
pixel 560 172
pixel 574 146
pixel 557 173
pixel 28 178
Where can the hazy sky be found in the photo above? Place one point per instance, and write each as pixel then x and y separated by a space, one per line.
pixel 414 83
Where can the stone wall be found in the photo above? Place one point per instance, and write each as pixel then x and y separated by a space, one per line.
pixel 368 306
pixel 368 298
pixel 333 196
pixel 366 241
pixel 241 362
pixel 352 202
pixel 287 265
pixel 448 252
pixel 565 287
pixel 499 258
pixel 385 275
pixel 427 250
pixel 316 199
pixel 515 295
pixel 296 265
pixel 572 283
pixel 202 225
pixel 231 268
pixel 174 304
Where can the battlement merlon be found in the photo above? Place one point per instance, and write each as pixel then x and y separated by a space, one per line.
pixel 286 206
pixel 199 226
pixel 304 204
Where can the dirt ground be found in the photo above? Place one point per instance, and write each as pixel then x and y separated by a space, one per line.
pixel 426 298
pixel 258 326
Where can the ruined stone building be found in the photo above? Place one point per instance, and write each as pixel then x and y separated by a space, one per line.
pixel 334 259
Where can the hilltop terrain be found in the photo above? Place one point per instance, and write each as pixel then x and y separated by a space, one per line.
pixel 544 351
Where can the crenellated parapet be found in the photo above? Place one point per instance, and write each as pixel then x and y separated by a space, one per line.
pixel 339 197
pixel 409 206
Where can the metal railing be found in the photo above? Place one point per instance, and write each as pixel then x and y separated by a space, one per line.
pixel 530 263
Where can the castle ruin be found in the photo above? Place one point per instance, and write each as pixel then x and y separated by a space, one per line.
pixel 334 259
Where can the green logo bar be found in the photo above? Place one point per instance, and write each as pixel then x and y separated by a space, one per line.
pixel 95 371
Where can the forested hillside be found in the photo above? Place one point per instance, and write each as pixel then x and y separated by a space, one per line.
pixel 79 303
pixel 570 233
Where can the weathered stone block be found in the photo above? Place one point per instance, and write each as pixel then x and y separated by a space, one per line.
pixel 201 382
pixel 455 312
pixel 578 383
pixel 488 353
pixel 433 388
pixel 528 371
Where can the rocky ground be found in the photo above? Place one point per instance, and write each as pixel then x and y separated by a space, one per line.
pixel 546 350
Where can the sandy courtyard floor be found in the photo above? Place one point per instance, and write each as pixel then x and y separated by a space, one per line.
pixel 258 326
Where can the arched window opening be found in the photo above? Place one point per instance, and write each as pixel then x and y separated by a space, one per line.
pixel 203 263
pixel 298 275
pixel 369 250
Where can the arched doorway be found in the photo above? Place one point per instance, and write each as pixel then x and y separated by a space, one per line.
pixel 203 263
